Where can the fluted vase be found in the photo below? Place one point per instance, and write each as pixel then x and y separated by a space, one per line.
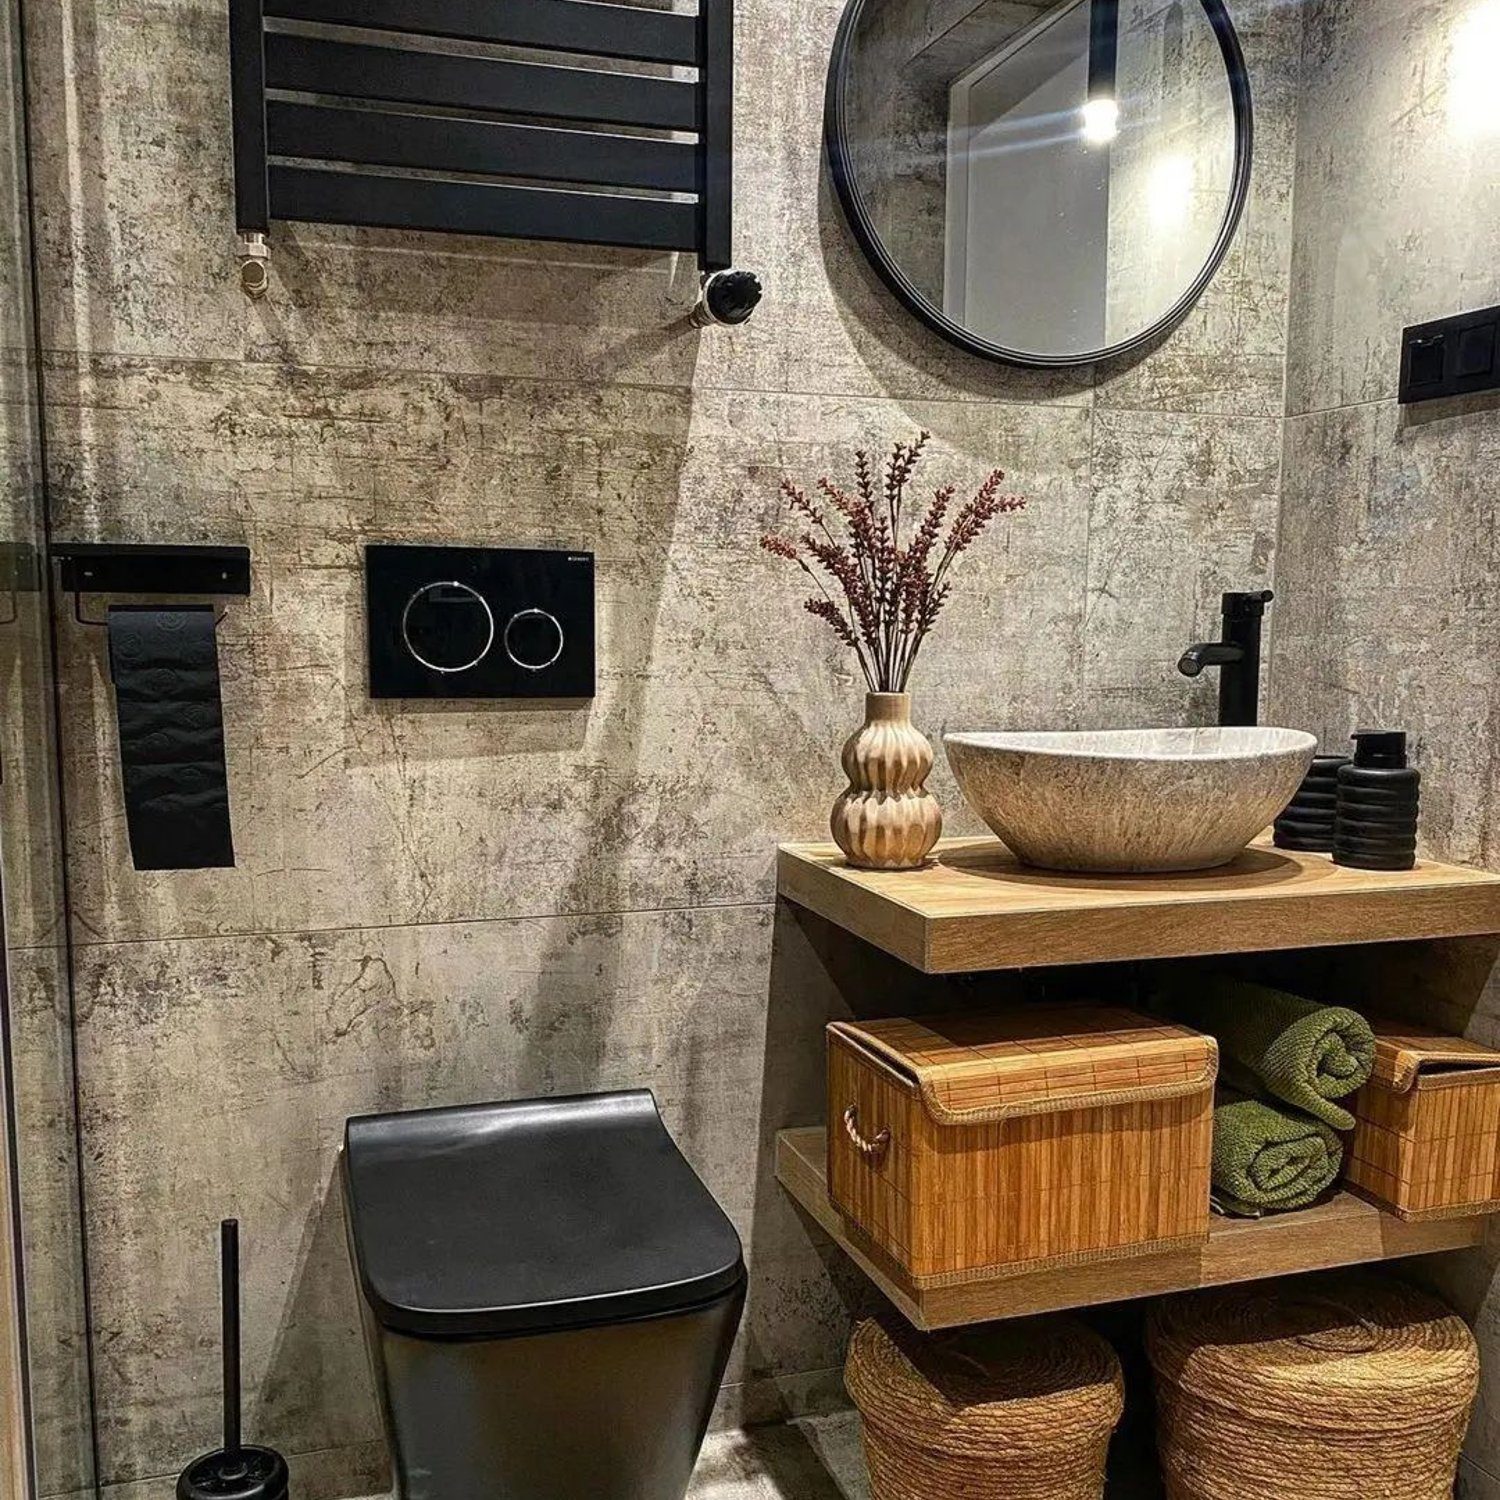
pixel 887 819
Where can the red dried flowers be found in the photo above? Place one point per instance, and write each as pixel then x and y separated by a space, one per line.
pixel 880 597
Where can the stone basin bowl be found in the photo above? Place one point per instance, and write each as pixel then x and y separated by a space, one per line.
pixel 1130 801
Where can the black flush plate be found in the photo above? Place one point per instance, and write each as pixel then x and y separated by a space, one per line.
pixel 1451 357
pixel 479 622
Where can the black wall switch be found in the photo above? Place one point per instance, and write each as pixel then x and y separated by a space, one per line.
pixel 1451 357
pixel 479 622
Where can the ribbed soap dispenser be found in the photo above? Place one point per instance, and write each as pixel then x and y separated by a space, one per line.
pixel 1306 823
pixel 1379 795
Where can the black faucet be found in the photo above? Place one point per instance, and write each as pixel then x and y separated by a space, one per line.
pixel 1237 656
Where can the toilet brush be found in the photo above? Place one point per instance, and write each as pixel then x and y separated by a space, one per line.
pixel 235 1471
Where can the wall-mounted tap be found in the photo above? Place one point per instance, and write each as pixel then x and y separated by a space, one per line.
pixel 1237 657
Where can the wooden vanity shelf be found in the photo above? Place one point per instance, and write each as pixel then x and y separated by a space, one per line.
pixel 1345 1231
pixel 976 908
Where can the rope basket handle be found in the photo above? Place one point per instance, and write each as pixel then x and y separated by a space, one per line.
pixel 873 1151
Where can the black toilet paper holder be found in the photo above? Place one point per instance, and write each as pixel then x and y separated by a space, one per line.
pixel 150 568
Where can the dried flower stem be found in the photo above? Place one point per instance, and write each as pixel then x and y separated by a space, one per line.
pixel 892 593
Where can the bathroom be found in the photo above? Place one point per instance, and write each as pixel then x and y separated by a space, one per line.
pixel 452 901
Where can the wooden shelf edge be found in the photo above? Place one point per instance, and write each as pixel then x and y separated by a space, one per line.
pixel 896 928
pixel 974 909
pixel 1343 1232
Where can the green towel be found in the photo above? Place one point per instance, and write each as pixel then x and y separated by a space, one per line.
pixel 1301 1053
pixel 1269 1160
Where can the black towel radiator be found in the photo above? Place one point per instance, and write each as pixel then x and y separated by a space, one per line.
pixel 345 114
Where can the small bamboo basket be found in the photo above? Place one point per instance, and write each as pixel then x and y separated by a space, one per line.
pixel 1017 1412
pixel 968 1146
pixel 1427 1142
pixel 1329 1389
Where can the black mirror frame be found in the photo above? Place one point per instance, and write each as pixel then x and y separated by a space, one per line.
pixel 857 215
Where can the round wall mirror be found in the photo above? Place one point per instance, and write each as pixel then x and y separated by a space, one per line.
pixel 1046 184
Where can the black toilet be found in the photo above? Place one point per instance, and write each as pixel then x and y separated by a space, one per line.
pixel 549 1297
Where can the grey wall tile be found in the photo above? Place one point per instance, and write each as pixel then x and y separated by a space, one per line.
pixel 34 905
pixel 1388 545
pixel 1475 1482
pixel 1398 200
pixel 47 1176
pixel 43 1310
pixel 1182 510
pixel 138 95
pixel 217 1075
pixel 1467 1283
pixel 704 747
pixel 1386 614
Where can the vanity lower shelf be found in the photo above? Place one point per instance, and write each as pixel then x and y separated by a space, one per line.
pixel 1346 1231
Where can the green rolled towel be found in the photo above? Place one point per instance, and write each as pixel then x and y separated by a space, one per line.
pixel 1270 1160
pixel 1270 1042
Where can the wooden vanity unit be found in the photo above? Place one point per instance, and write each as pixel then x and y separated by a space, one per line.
pixel 976 909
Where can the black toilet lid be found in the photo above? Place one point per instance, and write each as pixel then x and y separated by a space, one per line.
pixel 527 1217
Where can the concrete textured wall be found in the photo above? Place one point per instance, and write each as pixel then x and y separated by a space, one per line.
pixel 455 903
pixel 1389 546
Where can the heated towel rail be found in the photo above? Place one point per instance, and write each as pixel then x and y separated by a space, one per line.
pixel 407 114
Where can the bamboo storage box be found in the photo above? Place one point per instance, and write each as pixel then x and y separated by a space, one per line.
pixel 1427 1142
pixel 966 1146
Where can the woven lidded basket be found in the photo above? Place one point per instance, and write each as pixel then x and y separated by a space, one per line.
pixel 1019 1412
pixel 1039 1135
pixel 1426 1144
pixel 1346 1388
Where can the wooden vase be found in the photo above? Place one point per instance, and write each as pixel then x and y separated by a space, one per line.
pixel 887 819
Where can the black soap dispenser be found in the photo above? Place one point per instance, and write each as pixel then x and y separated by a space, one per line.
pixel 1306 824
pixel 1375 827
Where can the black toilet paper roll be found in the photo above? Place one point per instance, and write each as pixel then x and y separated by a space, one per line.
pixel 165 666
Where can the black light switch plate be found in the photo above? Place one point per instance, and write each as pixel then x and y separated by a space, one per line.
pixel 479 622
pixel 1451 357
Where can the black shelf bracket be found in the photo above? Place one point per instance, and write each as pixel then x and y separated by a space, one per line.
pixel 128 568
pixel 333 127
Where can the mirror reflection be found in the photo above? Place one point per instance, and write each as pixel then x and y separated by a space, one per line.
pixel 1052 180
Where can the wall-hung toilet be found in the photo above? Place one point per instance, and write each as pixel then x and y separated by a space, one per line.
pixel 549 1297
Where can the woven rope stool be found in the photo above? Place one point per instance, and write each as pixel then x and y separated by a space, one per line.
pixel 1020 1412
pixel 1351 1388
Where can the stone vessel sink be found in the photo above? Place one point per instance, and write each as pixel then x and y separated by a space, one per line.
pixel 1130 801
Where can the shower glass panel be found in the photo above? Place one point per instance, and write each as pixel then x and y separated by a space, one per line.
pixel 47 1409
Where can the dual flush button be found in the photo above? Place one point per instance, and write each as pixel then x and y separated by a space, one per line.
pixel 457 622
pixel 450 627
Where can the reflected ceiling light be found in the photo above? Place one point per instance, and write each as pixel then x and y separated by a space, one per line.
pixel 1101 115
pixel 1473 100
pixel 1101 121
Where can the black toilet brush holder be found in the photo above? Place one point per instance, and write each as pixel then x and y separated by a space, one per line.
pixel 236 1471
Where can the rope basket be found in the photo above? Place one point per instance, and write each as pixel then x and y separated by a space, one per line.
pixel 1355 1388
pixel 1021 1412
